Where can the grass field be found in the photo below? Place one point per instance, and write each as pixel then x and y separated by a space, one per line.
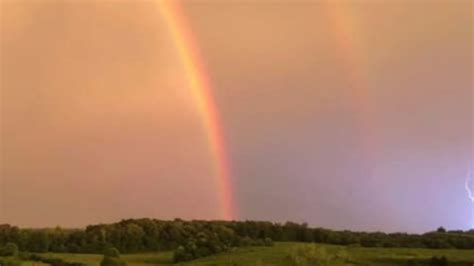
pixel 285 254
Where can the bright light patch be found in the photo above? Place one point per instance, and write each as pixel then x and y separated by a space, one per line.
pixel 470 194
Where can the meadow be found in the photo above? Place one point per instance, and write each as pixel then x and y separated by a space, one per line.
pixel 285 253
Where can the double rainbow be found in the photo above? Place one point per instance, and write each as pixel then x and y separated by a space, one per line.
pixel 349 49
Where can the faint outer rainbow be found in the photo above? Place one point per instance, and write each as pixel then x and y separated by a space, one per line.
pixel 349 36
pixel 202 92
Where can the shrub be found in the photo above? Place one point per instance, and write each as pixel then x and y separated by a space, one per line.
pixel 202 252
pixel 10 249
pixel 442 261
pixel 112 252
pixel 9 262
pixel 112 258
pixel 308 256
pixel 268 242
pixel 111 261
pixel 179 254
pixel 246 241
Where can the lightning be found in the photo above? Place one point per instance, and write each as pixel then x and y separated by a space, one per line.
pixel 470 194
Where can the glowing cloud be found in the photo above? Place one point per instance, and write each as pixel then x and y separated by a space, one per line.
pixel 187 50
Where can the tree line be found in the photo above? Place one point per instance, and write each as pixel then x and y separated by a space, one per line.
pixel 193 239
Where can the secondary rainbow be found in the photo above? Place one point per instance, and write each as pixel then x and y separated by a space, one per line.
pixel 348 35
pixel 201 88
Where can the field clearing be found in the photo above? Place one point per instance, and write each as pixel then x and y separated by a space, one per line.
pixel 279 254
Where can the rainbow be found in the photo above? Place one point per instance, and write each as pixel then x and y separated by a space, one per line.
pixel 201 88
pixel 348 37
pixel 349 47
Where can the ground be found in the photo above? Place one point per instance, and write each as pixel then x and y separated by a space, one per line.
pixel 290 254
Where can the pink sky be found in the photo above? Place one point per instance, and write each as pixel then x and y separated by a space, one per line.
pixel 352 116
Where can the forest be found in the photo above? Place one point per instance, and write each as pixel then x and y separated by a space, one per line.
pixel 195 239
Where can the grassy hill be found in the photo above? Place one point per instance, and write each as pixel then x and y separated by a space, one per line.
pixel 294 254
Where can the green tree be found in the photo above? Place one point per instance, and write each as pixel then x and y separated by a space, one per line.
pixel 10 249
pixel 133 237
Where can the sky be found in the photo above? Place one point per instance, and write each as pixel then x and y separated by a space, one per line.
pixel 347 115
